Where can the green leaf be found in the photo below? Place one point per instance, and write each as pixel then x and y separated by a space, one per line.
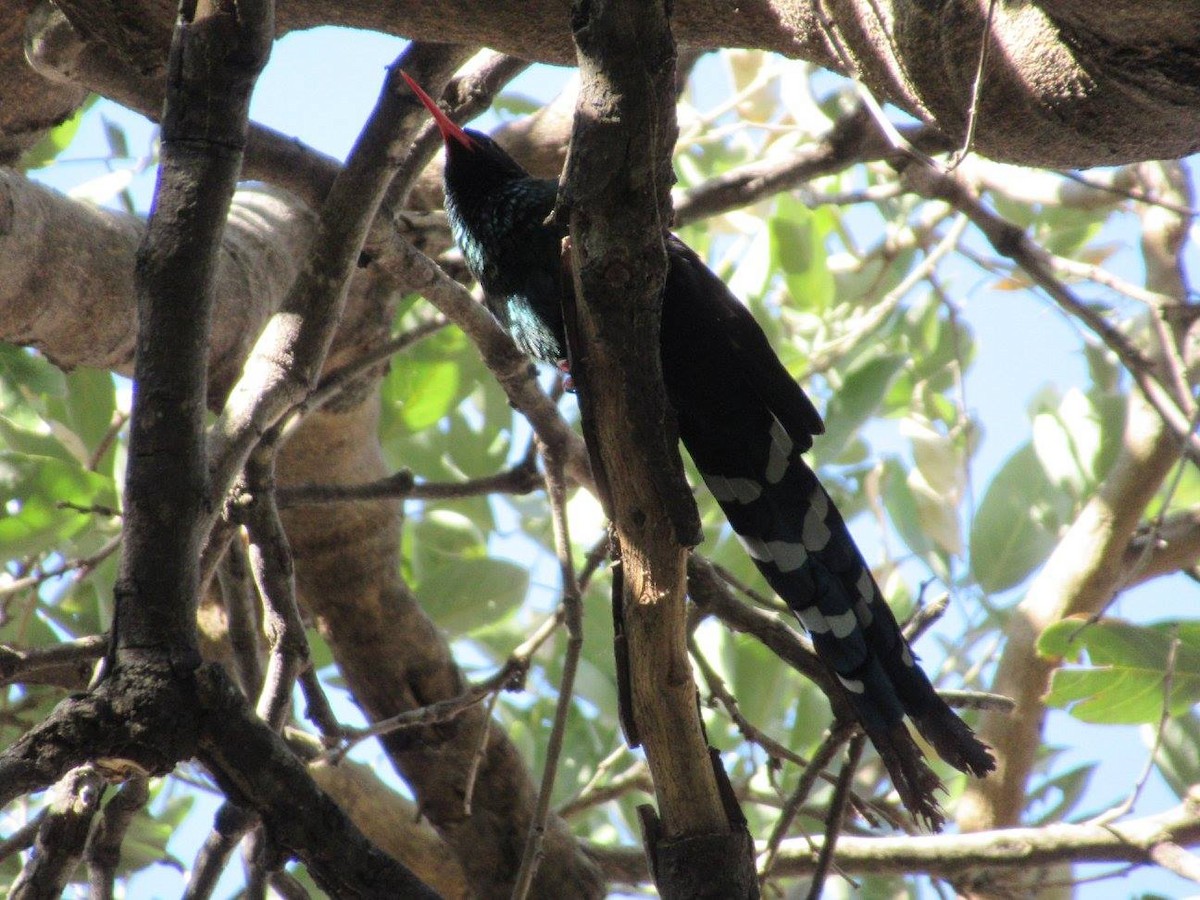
pixel 937 513
pixel 33 441
pixel 32 487
pixel 145 843
pixel 903 508
pixel 30 374
pixel 856 400
pixel 56 140
pixel 1069 787
pixel 91 402
pixel 459 585
pixel 1017 523
pixel 1128 674
pixel 473 592
pixel 1067 440
pixel 798 251
pixel 1178 756
pixel 424 391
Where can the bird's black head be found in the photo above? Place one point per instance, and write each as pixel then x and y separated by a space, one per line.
pixel 474 162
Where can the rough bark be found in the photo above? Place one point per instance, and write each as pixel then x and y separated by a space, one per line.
pixel 1068 84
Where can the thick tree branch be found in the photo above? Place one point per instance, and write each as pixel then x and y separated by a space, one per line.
pixel 983 858
pixel 1083 574
pixel 1064 85
pixel 62 836
pixel 215 62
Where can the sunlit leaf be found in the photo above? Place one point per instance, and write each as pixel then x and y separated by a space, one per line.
pixel 1128 674
pixel 798 251
pixel 56 140
pixel 32 487
pixel 1016 525
pixel 857 398
pixel 1178 756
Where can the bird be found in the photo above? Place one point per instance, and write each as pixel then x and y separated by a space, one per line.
pixel 745 422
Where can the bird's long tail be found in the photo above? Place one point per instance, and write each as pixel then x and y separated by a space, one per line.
pixel 745 423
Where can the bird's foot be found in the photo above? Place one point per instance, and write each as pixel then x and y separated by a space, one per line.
pixel 568 382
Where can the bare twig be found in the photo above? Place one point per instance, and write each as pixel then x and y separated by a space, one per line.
pixel 317 709
pixel 592 794
pixel 752 733
pixel 104 842
pixel 230 825
pixel 837 812
pixel 271 563
pixel 20 665
pixel 510 676
pixel 572 606
pixel 851 140
pixel 985 43
pixel 965 857
pixel 243 613
pixel 22 839
pixel 333 384
pixel 81 566
pixel 1010 241
pixel 520 479
pixel 825 753
pixel 62 835
pixel 480 752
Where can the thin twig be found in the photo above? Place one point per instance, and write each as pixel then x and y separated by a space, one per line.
pixel 274 576
pixel 337 381
pixel 510 676
pixel 520 479
pixel 837 812
pixel 20 665
pixel 103 849
pixel 106 440
pixel 572 606
pixel 22 839
pixel 825 753
pixel 751 732
pixel 480 753
pixel 230 825
pixel 635 778
pixel 1013 243
pixel 317 709
pixel 976 89
pixel 81 566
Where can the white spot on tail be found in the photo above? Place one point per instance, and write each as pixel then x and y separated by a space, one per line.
pixel 852 684
pixel 843 625
pixel 866 594
pixel 732 490
pixel 787 556
pixel 812 619
pixel 816 533
pixel 779 454
pixel 756 547
pixel 866 585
